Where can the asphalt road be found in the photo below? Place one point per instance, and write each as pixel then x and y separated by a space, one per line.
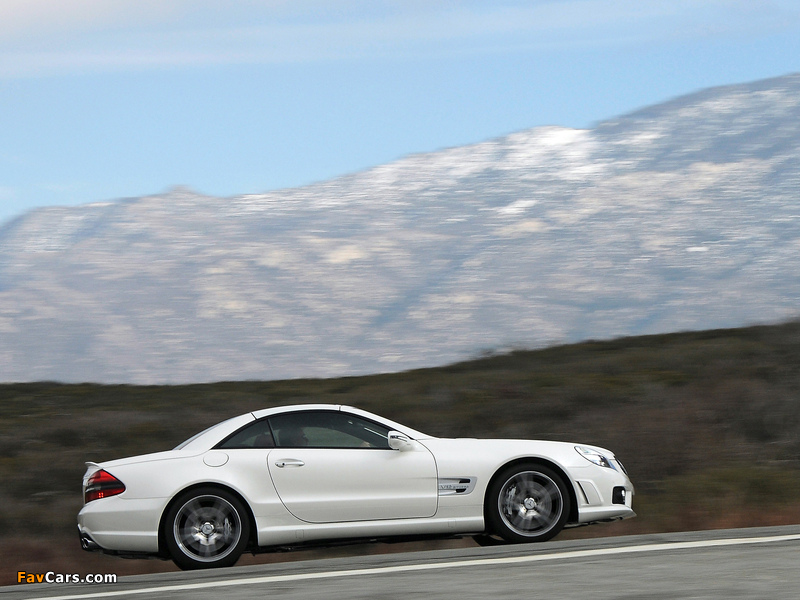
pixel 758 563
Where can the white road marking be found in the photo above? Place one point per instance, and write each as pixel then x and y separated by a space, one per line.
pixel 165 589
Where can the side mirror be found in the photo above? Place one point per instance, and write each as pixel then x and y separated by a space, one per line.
pixel 399 441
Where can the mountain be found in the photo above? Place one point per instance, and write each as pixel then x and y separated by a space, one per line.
pixel 683 215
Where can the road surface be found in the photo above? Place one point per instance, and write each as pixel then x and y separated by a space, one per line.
pixel 757 563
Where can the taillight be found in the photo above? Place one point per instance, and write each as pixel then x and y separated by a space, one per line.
pixel 102 484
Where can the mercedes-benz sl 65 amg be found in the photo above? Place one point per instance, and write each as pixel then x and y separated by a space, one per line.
pixel 317 474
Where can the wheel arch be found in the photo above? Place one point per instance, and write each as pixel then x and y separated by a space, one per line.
pixel 573 498
pixel 162 547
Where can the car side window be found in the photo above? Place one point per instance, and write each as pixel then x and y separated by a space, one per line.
pixel 254 435
pixel 327 429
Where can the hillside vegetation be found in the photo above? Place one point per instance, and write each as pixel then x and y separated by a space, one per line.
pixel 707 424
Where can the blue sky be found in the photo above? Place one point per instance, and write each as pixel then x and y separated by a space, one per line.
pixel 103 99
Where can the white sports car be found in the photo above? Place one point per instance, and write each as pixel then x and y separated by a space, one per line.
pixel 315 474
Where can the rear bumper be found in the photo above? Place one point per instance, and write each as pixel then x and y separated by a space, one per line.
pixel 118 526
pixel 89 545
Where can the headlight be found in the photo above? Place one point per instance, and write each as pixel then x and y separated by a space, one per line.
pixel 594 456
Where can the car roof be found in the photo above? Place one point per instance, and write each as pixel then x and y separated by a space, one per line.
pixel 277 410
pixel 268 412
pixel 207 439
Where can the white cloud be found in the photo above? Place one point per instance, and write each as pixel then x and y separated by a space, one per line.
pixel 22 20
pixel 44 37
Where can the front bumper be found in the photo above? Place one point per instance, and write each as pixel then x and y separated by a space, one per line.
pixel 604 495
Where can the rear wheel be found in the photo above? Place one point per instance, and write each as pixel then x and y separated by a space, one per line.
pixel 206 528
pixel 527 503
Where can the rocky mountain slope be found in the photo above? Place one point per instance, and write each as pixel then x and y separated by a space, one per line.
pixel 684 215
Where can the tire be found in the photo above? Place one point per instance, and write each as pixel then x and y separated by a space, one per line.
pixel 527 503
pixel 206 528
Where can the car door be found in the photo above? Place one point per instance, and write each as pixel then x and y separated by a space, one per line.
pixel 332 466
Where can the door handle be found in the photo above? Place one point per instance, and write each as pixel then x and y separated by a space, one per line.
pixel 289 462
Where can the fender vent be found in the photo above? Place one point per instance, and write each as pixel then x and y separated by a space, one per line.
pixel 450 486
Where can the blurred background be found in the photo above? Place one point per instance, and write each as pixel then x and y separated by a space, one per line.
pixel 706 423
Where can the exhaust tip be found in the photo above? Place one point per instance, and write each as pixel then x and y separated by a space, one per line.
pixel 88 544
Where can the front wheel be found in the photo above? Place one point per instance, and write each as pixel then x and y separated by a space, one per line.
pixel 527 503
pixel 206 528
